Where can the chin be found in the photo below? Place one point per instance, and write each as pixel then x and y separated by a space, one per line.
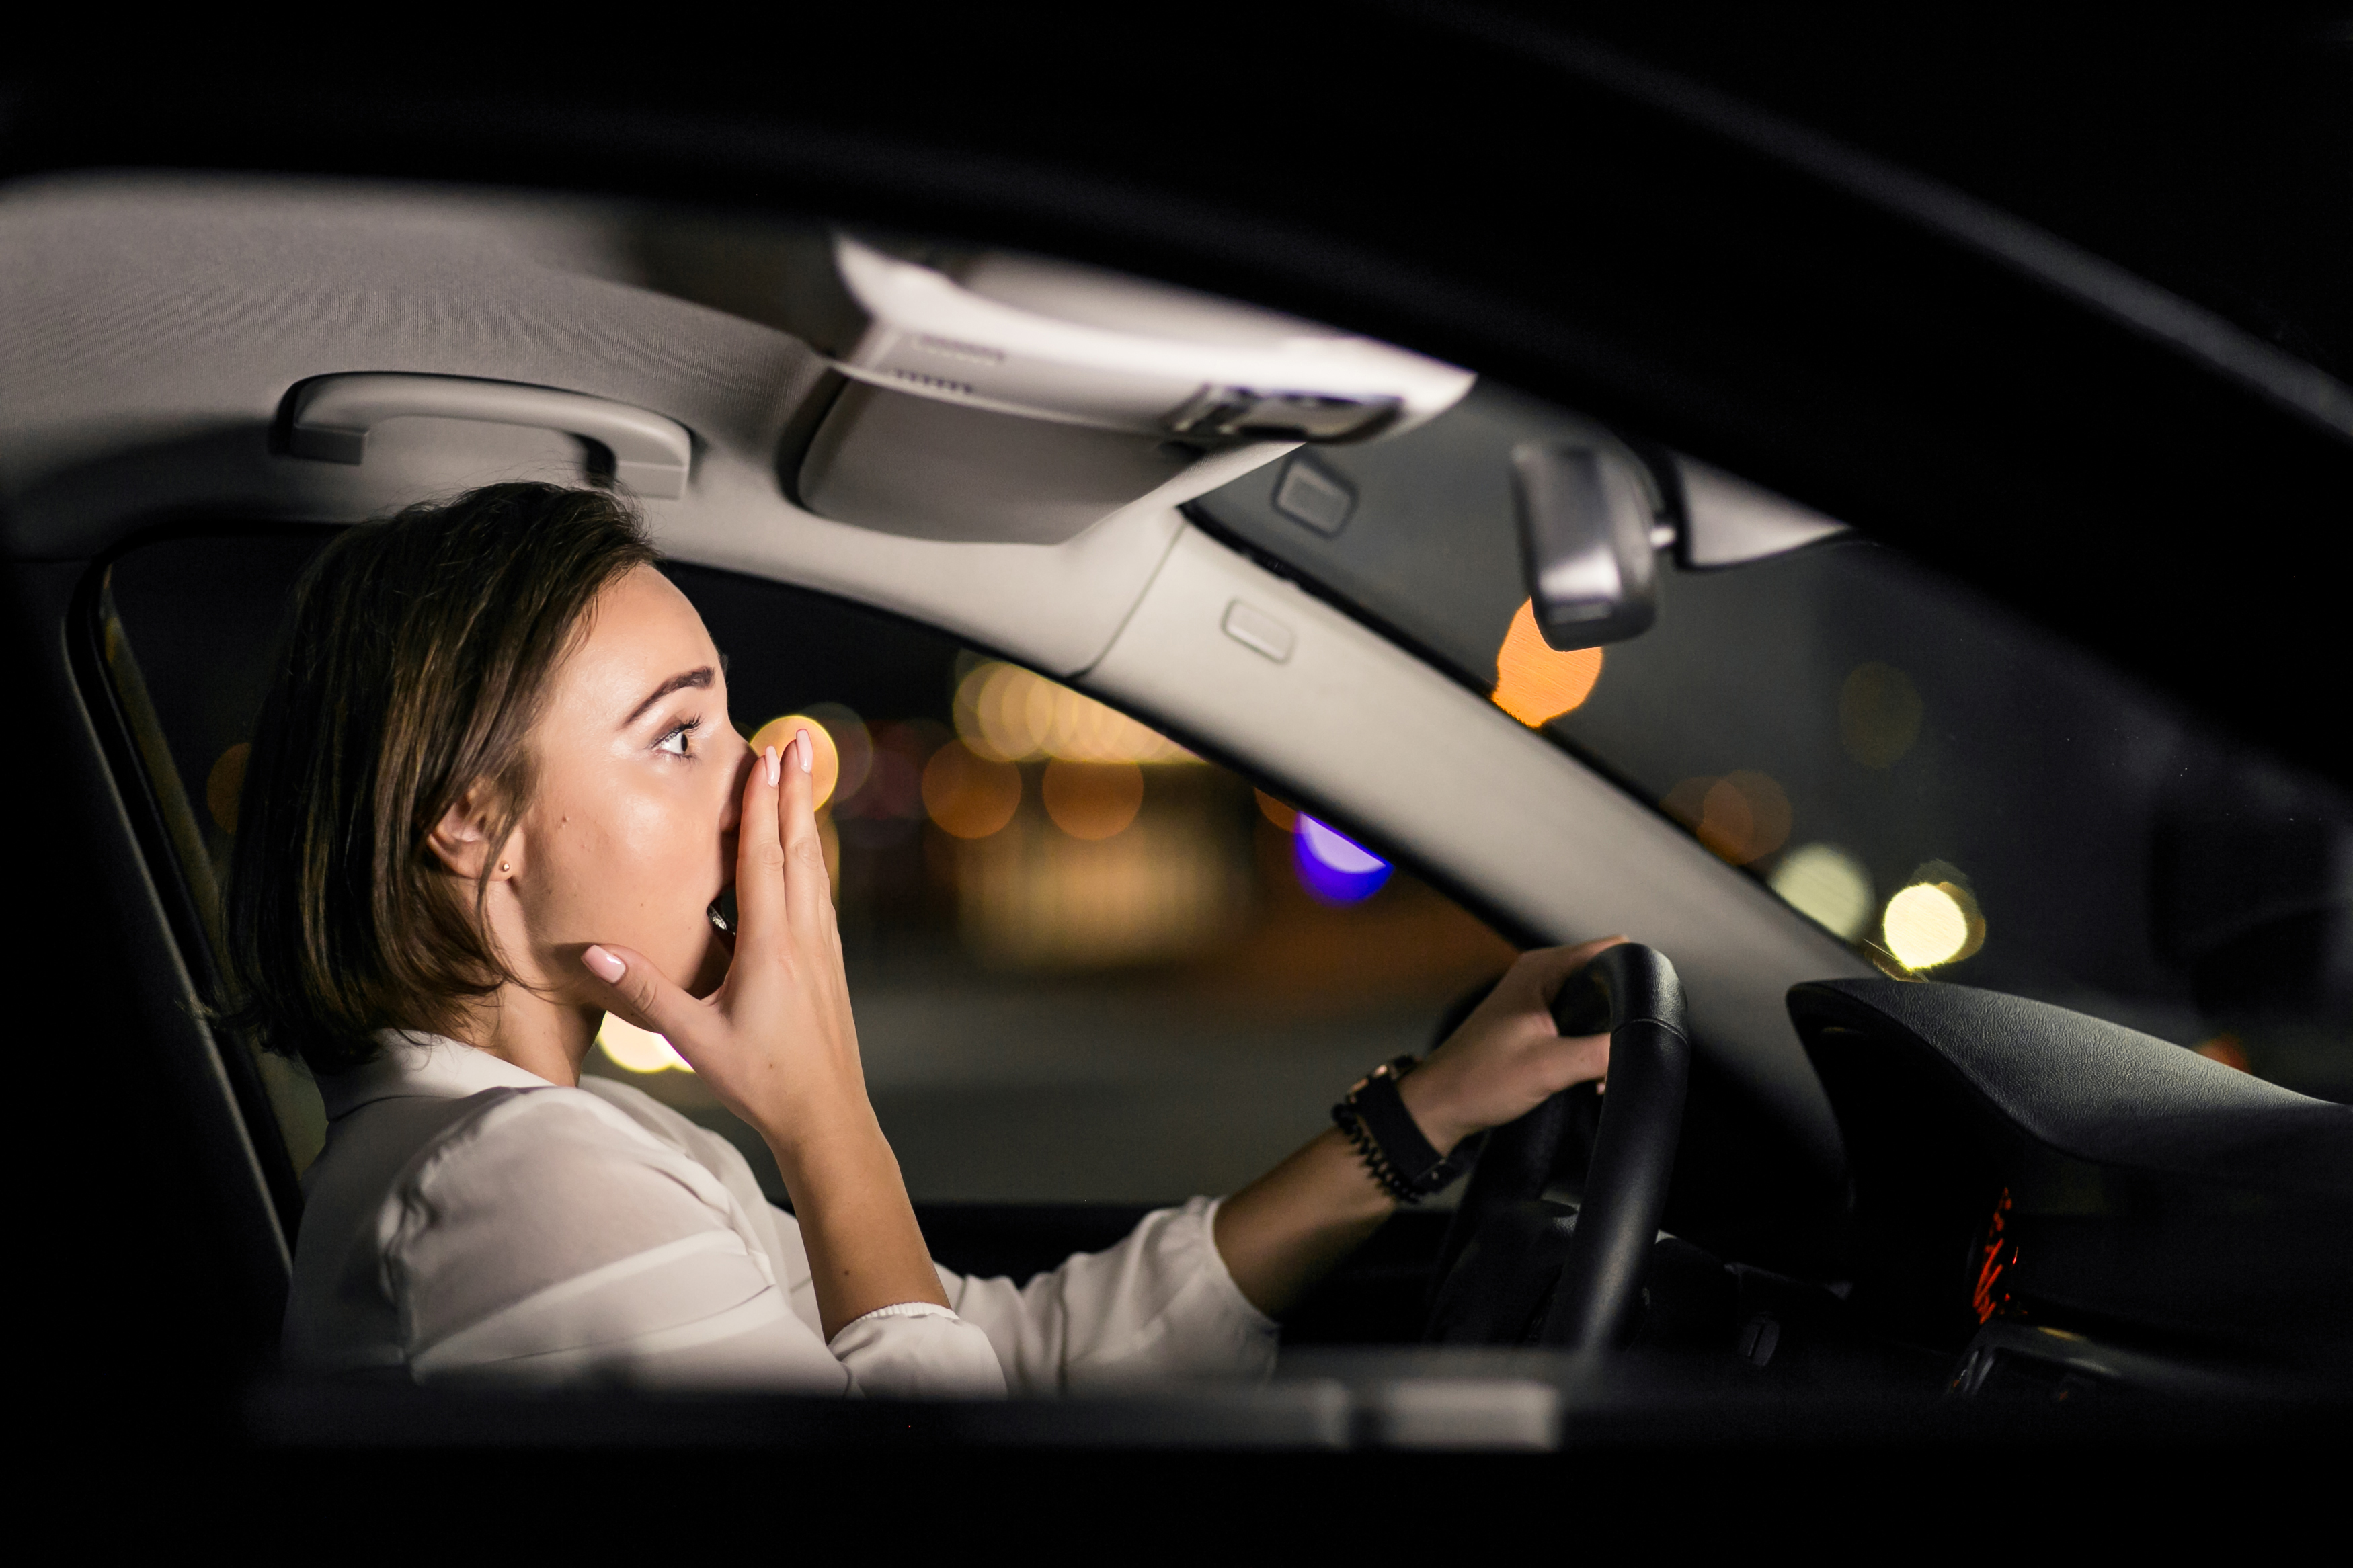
pixel 711 967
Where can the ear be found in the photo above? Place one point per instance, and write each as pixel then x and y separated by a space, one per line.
pixel 461 839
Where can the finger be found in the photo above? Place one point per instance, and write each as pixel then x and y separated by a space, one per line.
pixel 1554 967
pixel 808 890
pixel 760 852
pixel 644 994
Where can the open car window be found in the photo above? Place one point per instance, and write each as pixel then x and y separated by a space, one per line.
pixel 1089 966
pixel 1949 789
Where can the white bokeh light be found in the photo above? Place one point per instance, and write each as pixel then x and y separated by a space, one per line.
pixel 638 1050
pixel 1827 884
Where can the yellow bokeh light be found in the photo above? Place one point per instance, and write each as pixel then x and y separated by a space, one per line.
pixel 1009 714
pixel 1535 681
pixel 825 767
pixel 1879 714
pixel 638 1050
pixel 1929 924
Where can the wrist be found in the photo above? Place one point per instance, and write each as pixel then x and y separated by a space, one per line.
pixel 812 1143
pixel 1400 1155
pixel 1425 1096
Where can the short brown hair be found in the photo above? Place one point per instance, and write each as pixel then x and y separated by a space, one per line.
pixel 415 663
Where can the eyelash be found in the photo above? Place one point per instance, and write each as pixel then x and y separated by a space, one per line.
pixel 683 733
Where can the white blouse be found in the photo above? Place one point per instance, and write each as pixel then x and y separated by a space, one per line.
pixel 468 1217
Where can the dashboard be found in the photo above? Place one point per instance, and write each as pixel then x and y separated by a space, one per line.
pixel 2064 1205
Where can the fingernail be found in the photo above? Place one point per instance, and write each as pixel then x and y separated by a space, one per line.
pixel 775 768
pixel 809 749
pixel 604 963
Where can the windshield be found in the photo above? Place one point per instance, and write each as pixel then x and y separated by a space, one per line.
pixel 1955 793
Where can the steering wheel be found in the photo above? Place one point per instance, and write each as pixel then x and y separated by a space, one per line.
pixel 1518 1270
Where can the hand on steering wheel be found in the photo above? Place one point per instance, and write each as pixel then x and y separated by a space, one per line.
pixel 1518 1269
pixel 1508 1056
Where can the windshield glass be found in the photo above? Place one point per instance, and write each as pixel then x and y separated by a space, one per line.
pixel 1952 791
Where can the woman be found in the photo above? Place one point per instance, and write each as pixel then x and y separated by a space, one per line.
pixel 494 795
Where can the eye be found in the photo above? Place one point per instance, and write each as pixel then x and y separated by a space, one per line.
pixel 679 741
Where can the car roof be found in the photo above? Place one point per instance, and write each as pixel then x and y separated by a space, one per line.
pixel 1487 186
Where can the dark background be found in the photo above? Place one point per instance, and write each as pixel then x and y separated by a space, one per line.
pixel 2181 527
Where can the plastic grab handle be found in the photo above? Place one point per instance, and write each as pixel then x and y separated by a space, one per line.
pixel 1598 1302
pixel 333 415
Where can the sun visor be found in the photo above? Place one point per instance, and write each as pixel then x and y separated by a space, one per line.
pixel 1011 399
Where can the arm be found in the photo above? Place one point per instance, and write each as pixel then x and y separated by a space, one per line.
pixel 778 1042
pixel 1286 1230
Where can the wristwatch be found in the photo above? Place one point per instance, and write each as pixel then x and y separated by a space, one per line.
pixel 1374 1116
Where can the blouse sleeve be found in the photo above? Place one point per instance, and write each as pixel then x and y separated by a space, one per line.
pixel 549 1240
pixel 1158 1306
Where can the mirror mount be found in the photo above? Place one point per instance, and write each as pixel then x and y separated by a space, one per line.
pixel 1593 514
pixel 1588 516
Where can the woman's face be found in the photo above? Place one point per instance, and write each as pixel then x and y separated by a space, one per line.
pixel 631 830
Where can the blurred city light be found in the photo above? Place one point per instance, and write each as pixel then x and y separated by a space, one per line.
pixel 1275 811
pixel 1535 683
pixel 1092 800
pixel 1932 924
pixel 1879 714
pixel 225 785
pixel 2228 1049
pixel 825 767
pixel 970 795
pixel 1826 884
pixel 638 1050
pixel 1009 714
pixel 1169 886
pixel 1336 869
pixel 851 742
pixel 1743 815
pixel 884 808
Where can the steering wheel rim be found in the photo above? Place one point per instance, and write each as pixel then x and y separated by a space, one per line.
pixel 1593 1260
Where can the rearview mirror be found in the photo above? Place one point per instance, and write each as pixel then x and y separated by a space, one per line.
pixel 1586 514
pixel 1593 517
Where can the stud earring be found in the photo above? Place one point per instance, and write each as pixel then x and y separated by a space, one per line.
pixel 503 865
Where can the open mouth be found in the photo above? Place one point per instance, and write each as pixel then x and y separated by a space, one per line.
pixel 722 912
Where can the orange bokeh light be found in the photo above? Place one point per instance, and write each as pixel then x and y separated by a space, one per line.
pixel 825 766
pixel 225 785
pixel 1535 683
pixel 1743 816
pixel 970 795
pixel 2228 1049
pixel 1275 811
pixel 1092 800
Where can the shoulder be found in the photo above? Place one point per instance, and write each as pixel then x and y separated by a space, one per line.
pixel 540 1149
pixel 650 1116
pixel 533 1186
pixel 697 1142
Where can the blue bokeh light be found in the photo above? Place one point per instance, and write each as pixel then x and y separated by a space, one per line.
pixel 1337 871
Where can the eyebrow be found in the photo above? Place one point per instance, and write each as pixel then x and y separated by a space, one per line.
pixel 700 679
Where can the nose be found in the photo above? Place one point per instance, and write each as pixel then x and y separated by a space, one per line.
pixel 730 814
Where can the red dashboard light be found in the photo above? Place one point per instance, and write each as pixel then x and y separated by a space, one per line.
pixel 1996 1253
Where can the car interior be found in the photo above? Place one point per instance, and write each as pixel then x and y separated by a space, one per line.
pixel 1217 700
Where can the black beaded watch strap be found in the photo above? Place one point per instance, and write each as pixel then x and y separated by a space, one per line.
pixel 1375 1117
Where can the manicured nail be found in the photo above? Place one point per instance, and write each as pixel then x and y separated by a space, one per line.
pixel 603 964
pixel 809 749
pixel 775 768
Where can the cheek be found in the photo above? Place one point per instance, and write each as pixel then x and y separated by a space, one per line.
pixel 623 850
